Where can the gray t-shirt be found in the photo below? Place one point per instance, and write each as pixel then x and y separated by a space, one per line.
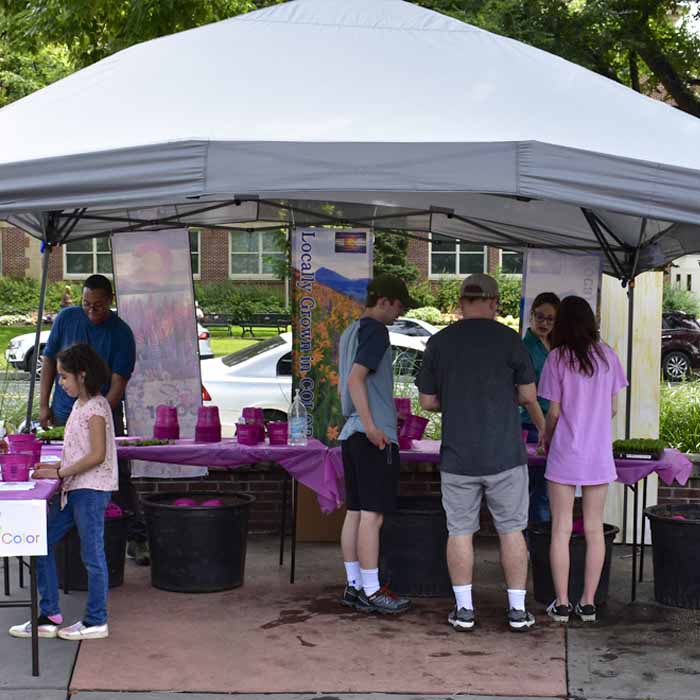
pixel 474 367
pixel 366 342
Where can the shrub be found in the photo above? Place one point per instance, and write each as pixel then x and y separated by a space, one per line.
pixel 510 287
pixel 429 314
pixel 679 420
pixel 20 295
pixel 236 299
pixel 448 295
pixel 677 299
pixel 423 294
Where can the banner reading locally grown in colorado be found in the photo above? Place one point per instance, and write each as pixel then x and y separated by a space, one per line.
pixel 331 269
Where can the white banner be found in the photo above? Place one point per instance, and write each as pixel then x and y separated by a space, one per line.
pixel 153 280
pixel 23 528
pixel 565 274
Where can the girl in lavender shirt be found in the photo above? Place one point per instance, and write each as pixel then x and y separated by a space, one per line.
pixel 88 473
pixel 581 379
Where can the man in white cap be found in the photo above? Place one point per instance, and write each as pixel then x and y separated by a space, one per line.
pixel 476 372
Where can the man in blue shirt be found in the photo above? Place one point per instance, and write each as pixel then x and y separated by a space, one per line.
pixel 94 323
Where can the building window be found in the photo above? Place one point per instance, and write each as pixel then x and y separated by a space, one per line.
pixel 195 238
pixel 511 262
pixel 256 254
pixel 450 257
pixel 88 257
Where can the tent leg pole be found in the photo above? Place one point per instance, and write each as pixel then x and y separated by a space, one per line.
pixel 628 398
pixel 37 336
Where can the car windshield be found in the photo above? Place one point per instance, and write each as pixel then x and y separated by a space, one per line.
pixel 236 358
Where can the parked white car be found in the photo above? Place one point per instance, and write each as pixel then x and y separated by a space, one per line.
pixel 20 349
pixel 413 327
pixel 261 375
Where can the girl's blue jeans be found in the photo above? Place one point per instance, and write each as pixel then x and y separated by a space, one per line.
pixel 86 510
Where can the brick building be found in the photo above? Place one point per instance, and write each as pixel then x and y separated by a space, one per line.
pixel 219 255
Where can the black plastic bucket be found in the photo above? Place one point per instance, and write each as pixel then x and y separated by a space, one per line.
pixel 412 553
pixel 676 548
pixel 115 551
pixel 197 549
pixel 539 537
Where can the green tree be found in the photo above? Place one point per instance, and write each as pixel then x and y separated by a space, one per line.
pixel 647 45
pixel 390 249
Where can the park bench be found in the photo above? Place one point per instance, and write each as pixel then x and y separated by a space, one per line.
pixel 218 321
pixel 264 320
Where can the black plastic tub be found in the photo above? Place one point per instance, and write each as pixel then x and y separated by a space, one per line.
pixel 197 549
pixel 539 537
pixel 413 548
pixel 676 548
pixel 115 551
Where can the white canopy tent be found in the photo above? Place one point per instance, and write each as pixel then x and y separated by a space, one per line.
pixel 402 117
pixel 415 120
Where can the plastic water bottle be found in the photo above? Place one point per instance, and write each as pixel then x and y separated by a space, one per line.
pixel 297 422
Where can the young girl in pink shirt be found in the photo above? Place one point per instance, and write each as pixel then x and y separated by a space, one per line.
pixel 581 379
pixel 88 473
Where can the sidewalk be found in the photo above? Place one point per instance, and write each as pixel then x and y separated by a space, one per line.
pixel 269 639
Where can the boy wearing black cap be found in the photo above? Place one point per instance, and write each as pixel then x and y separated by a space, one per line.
pixel 369 443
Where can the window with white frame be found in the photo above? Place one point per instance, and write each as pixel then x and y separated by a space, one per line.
pixel 195 238
pixel 87 257
pixel 451 257
pixel 255 253
pixel 511 262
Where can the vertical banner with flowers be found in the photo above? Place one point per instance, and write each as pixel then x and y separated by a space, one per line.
pixel 331 269
pixel 153 280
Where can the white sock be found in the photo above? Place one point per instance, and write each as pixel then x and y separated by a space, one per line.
pixel 370 580
pixel 352 570
pixel 463 596
pixel 516 599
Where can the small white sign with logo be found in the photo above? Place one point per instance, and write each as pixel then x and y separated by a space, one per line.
pixel 23 528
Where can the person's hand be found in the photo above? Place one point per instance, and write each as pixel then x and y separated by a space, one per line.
pixel 377 437
pixel 45 417
pixel 46 471
pixel 542 445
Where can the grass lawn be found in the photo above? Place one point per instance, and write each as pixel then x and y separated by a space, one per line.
pixel 7 333
pixel 223 344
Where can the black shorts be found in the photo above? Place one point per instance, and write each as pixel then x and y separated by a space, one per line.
pixel 371 482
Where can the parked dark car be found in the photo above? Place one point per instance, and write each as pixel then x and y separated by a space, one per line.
pixel 680 345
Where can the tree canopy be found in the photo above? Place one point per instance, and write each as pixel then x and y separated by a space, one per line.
pixel 648 45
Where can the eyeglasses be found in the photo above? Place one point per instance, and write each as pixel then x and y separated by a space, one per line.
pixel 99 306
pixel 541 318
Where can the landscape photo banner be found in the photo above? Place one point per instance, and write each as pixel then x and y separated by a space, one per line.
pixel 331 270
pixel 153 280
pixel 565 274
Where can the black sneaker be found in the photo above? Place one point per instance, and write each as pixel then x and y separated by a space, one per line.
pixel 350 596
pixel 383 602
pixel 462 620
pixel 141 552
pixel 520 620
pixel 559 613
pixel 585 612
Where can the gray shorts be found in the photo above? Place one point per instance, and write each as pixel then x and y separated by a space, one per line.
pixel 506 497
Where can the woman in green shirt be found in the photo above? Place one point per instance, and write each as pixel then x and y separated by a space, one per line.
pixel 537 341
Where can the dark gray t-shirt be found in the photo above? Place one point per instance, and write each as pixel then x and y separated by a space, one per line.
pixel 474 367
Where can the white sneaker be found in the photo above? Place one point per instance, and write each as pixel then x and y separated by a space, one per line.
pixel 77 632
pixel 45 629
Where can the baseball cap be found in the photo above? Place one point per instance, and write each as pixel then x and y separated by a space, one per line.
pixel 479 286
pixel 390 287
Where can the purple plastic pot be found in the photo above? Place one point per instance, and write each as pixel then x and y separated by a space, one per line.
pixel 15 467
pixel 183 502
pixel 278 432
pixel 413 427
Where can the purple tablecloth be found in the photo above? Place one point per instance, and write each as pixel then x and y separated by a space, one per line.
pixel 306 464
pixel 44 489
pixel 673 465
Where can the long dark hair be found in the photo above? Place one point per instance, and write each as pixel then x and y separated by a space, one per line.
pixel 576 333
pixel 80 357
